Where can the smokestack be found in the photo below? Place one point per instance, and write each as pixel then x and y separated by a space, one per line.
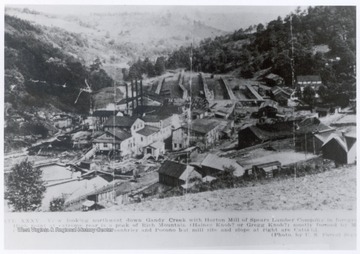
pixel 127 98
pixel 137 93
pixel 141 93
pixel 132 96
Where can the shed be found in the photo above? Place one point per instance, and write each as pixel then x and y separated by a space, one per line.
pixel 267 170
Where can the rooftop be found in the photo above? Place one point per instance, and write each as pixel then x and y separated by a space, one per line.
pixel 308 78
pixel 157 145
pixel 120 121
pixel 220 163
pixel 268 164
pixel 203 125
pixel 345 143
pixel 269 103
pixel 108 137
pixel 104 113
pixel 148 130
pixel 173 169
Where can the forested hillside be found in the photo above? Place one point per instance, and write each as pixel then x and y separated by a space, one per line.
pixel 39 73
pixel 317 41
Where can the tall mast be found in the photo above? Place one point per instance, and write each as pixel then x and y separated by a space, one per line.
pixel 189 114
pixel 293 85
pixel 114 144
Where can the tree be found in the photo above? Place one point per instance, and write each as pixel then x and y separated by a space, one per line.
pixel 309 95
pixel 160 65
pixel 96 65
pixel 24 187
pixel 57 204
pixel 260 28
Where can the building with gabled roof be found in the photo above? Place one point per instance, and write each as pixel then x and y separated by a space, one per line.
pixel 203 133
pixel 305 139
pixel 129 124
pixel 340 148
pixel 114 139
pixel 280 95
pixel 176 174
pixel 213 165
pixel 268 108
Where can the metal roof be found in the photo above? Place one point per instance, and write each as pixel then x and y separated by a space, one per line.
pixel 120 121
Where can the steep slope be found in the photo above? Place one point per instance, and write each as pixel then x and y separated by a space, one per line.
pixel 334 189
pixel 39 73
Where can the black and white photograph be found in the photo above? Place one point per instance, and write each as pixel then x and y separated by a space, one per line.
pixel 179 108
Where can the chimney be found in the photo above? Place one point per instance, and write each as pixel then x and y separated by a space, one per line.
pixel 132 96
pixel 141 93
pixel 137 93
pixel 343 132
pixel 127 98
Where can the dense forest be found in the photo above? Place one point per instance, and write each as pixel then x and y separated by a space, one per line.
pixel 281 44
pixel 39 74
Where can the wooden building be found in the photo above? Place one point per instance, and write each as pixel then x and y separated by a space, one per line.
pixel 340 148
pixel 268 108
pixel 176 174
pixel 213 165
pixel 265 170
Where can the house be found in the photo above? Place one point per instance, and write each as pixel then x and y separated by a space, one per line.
pixel 268 108
pixel 340 148
pixel 118 140
pixel 146 136
pixel 203 133
pixel 155 149
pixel 314 81
pixel 176 174
pixel 280 95
pixel 266 170
pixel 273 79
pixel 212 165
pixel 126 123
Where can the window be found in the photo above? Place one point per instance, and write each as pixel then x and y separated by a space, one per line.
pixel 180 145
pixel 142 139
pixel 175 145
pixel 105 145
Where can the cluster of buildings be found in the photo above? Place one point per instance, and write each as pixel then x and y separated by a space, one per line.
pixel 144 125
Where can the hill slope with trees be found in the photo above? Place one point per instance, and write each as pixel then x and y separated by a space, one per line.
pixel 39 74
pixel 296 39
